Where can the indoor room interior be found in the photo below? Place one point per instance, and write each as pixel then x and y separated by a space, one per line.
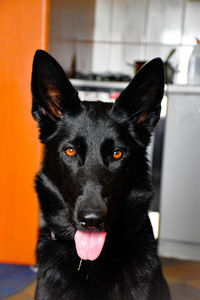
pixel 101 45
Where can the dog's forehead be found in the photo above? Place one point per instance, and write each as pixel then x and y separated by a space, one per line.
pixel 94 122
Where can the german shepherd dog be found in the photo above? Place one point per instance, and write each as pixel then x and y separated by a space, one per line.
pixel 94 188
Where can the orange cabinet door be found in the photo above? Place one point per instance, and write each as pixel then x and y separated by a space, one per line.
pixel 24 27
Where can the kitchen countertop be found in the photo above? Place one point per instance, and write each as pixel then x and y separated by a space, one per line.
pixel 169 88
pixel 183 89
pixel 98 84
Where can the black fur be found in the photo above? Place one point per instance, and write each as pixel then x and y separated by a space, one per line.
pixel 118 192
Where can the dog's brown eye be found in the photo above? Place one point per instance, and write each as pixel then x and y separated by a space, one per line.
pixel 117 154
pixel 71 152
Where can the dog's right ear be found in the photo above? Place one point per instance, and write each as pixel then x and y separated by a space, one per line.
pixel 52 92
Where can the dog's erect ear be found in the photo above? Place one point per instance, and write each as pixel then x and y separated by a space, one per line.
pixel 141 100
pixel 52 92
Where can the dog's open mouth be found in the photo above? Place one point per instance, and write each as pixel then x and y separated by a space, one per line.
pixel 89 244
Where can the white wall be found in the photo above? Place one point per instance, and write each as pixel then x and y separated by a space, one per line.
pixel 105 35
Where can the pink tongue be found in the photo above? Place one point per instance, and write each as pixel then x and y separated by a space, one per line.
pixel 89 244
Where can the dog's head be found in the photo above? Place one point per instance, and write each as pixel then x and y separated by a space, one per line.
pixel 94 172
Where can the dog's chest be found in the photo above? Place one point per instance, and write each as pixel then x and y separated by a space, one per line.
pixel 110 285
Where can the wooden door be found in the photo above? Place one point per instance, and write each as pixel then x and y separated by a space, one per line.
pixel 23 30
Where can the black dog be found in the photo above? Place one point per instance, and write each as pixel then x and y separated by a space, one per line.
pixel 94 188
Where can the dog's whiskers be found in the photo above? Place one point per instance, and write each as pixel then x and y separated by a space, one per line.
pixel 53 236
pixel 80 263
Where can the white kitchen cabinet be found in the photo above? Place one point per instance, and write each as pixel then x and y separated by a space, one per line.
pixel 180 193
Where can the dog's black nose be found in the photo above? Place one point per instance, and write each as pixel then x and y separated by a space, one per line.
pixel 92 220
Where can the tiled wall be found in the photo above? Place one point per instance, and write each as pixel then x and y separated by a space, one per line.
pixel 105 35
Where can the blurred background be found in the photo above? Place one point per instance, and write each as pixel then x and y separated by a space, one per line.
pixel 111 36
pixel 101 44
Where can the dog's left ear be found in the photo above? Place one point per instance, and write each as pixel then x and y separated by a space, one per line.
pixel 141 100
